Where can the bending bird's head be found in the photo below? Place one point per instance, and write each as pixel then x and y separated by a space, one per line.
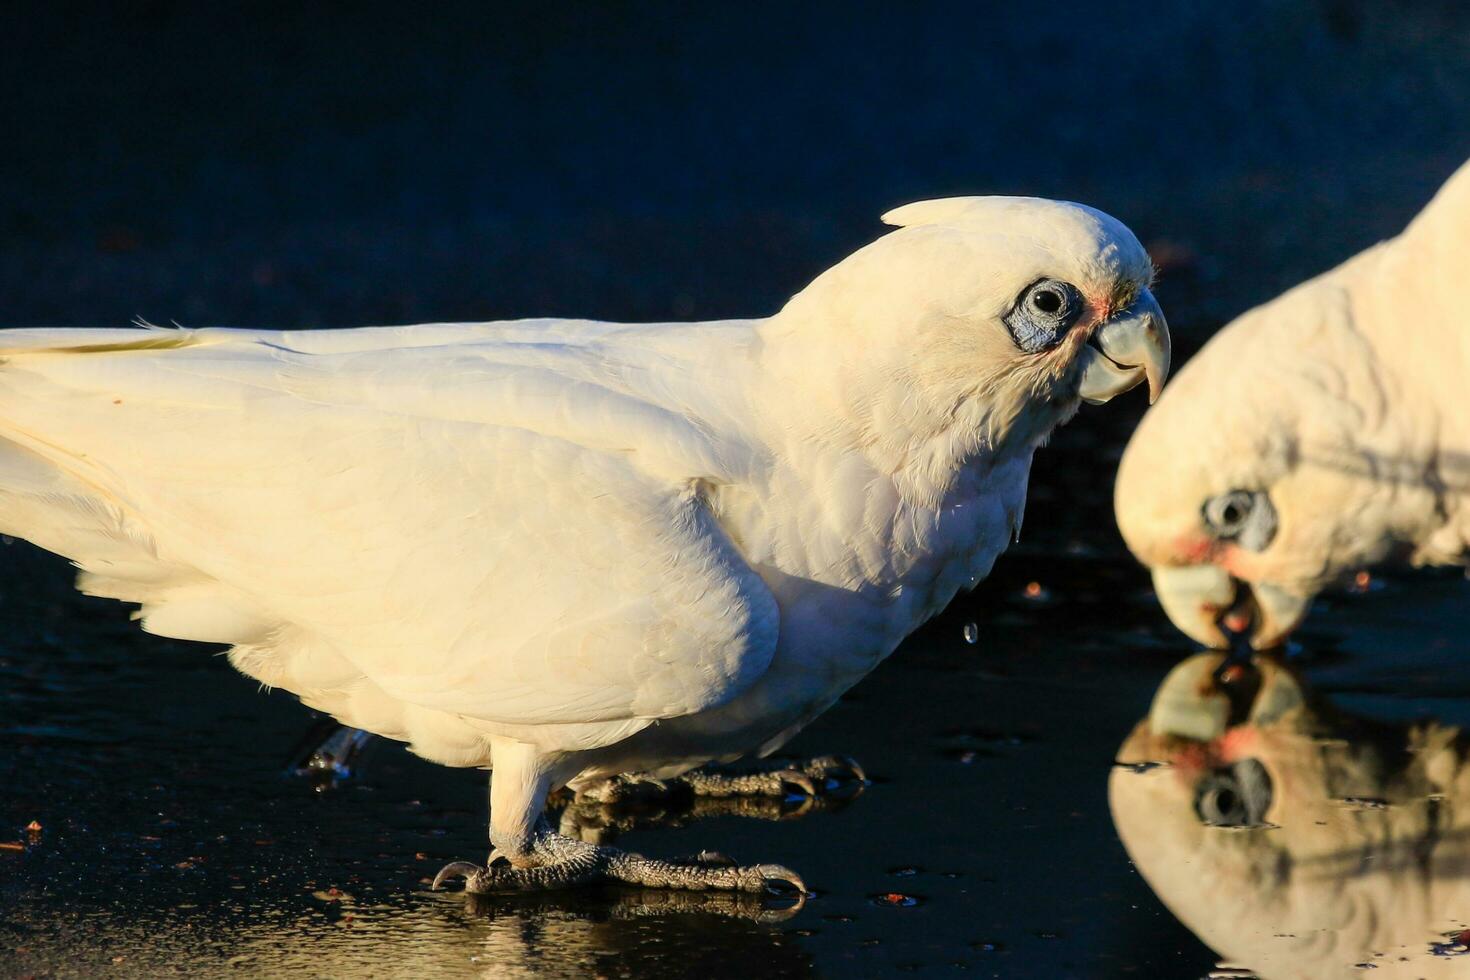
pixel 977 327
pixel 1311 438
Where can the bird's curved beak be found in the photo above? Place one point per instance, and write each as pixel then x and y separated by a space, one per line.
pixel 1205 600
pixel 1125 350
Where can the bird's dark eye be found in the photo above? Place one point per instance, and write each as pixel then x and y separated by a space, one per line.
pixel 1043 313
pixel 1047 300
pixel 1243 516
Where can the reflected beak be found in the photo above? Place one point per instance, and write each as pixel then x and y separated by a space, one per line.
pixel 1189 704
pixel 1198 598
pixel 1193 701
pixel 1131 347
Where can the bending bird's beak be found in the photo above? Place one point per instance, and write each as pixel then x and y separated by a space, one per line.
pixel 1195 597
pixel 1198 598
pixel 1132 346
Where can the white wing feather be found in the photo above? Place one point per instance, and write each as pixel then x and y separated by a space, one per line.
pixel 486 520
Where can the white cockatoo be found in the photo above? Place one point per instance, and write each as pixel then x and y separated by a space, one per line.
pixel 565 550
pixel 1318 434
pixel 1293 839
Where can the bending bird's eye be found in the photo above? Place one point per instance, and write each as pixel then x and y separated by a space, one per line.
pixel 1243 516
pixel 1044 311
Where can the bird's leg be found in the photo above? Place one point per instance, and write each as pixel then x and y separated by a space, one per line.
pixel 528 856
pixel 328 754
pixel 812 778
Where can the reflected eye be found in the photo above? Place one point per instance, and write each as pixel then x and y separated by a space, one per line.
pixel 1243 516
pixel 1236 796
pixel 1044 311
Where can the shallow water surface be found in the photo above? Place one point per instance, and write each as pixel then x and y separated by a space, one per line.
pixel 171 839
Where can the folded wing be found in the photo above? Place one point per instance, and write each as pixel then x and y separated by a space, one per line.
pixel 479 520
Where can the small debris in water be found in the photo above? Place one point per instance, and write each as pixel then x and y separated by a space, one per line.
pixel 11 845
pixel 1139 768
pixel 897 900
pixel 905 872
pixel 1035 592
pixel 988 947
pixel 972 634
pixel 1457 944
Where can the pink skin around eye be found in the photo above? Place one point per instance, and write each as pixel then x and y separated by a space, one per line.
pixel 1192 759
pixel 1098 307
pixel 1193 549
pixel 1238 743
pixel 1094 313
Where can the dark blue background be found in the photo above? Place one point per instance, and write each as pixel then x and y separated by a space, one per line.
pixel 281 164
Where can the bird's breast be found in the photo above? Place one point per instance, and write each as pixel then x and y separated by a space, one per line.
pixel 855 568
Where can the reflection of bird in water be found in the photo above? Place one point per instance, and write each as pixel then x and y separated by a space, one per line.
pixel 675 803
pixel 604 932
pixel 1292 838
pixel 568 551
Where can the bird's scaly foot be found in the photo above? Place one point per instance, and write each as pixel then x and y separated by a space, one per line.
pixel 556 862
pixel 812 779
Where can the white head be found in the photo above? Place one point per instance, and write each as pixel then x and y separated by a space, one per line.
pixel 978 326
pixel 1310 439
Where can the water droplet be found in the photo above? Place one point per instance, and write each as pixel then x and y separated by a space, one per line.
pixel 972 633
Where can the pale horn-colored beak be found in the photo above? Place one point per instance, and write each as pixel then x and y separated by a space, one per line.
pixel 1194 598
pixel 1197 597
pixel 1125 350
pixel 1277 613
